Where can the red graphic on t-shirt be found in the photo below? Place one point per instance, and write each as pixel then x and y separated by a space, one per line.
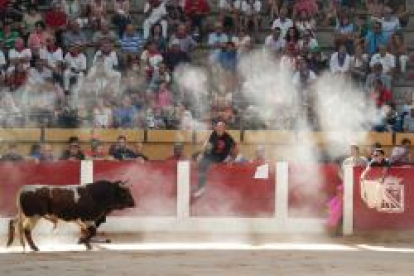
pixel 220 146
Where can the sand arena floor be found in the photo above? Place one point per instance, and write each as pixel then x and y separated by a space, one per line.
pixel 219 255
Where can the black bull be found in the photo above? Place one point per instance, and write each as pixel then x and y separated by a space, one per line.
pixel 87 205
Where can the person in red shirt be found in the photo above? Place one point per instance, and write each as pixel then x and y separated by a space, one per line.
pixel 380 94
pixel 197 10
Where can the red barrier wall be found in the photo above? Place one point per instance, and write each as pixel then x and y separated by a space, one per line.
pixel 310 188
pixel 153 185
pixel 370 219
pixel 15 175
pixel 232 191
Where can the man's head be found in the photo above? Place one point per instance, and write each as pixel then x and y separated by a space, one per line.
pixel 378 155
pixel 283 13
pixel 220 128
pixel 406 142
pixel 276 33
pixel 182 30
pixel 354 151
pixel 218 28
pixel 122 141
pixel 377 27
pixel 130 30
pixel 19 44
pixel 382 49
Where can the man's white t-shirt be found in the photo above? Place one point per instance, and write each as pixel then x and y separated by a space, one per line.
pixel 387 61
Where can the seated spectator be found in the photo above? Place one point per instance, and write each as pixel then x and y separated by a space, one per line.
pixel 235 157
pixel 390 23
pixel 196 11
pixel 122 17
pixel 120 150
pixel 305 23
pixel 34 152
pixel 175 56
pixel 187 43
pixel 155 13
pixel 408 125
pixel 156 36
pixel 375 38
pixel 359 64
pixel 73 152
pixel 131 42
pixel 97 151
pixel 401 154
pixel 398 49
pixel 340 61
pixel 10 112
pixel 106 62
pixel 308 6
pixel 124 115
pixel 162 75
pixel 308 42
pixel 31 17
pixel 303 76
pixel 102 115
pixel 17 77
pixel 8 36
pixel 403 15
pixel 317 61
pixel 387 119
pixel 178 153
pixel 97 9
pixel 39 74
pixel 75 69
pixel 344 33
pixel 283 22
pixel 151 59
pixel 251 14
pixel 378 159
pixel 176 15
pixel 72 8
pixel 228 57
pixel 259 155
pixel 37 39
pixel 56 19
pixel 375 8
pixel 46 153
pixel 52 55
pixel 74 35
pixel 165 99
pixel 216 41
pixel 289 57
pixel 12 154
pixel 243 43
pixel 228 14
pixel 104 34
pixel 186 120
pixel 275 42
pixel 20 54
pixel 386 59
pixel 292 37
pixel 380 94
pixel 375 74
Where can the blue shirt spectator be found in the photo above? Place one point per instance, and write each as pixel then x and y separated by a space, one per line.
pixel 124 115
pixel 131 42
pixel 375 38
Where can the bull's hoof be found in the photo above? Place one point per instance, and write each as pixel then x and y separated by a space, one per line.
pixel 88 246
pixel 35 249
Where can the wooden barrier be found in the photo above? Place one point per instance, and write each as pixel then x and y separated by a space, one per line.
pixel 20 134
pixel 169 136
pixel 86 134
pixel 269 137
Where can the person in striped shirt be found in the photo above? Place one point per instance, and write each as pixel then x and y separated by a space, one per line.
pixel 131 42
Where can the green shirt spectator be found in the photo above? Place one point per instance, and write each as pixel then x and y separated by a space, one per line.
pixel 8 36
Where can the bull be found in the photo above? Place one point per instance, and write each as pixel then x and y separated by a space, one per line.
pixel 86 205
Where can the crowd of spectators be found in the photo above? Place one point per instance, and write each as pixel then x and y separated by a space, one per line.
pixel 68 63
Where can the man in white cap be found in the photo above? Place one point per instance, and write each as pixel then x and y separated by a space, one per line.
pixel 215 150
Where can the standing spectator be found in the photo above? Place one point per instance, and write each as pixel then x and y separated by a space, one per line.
pixel 174 56
pixel 107 57
pixel 197 10
pixel 187 43
pixel 275 42
pixel 401 154
pixel 75 70
pixel 216 41
pixel 340 61
pixel 155 13
pixel 375 38
pixel 215 150
pixel 283 22
pixel 122 17
pixel 228 57
pixel 12 154
pixel 386 59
